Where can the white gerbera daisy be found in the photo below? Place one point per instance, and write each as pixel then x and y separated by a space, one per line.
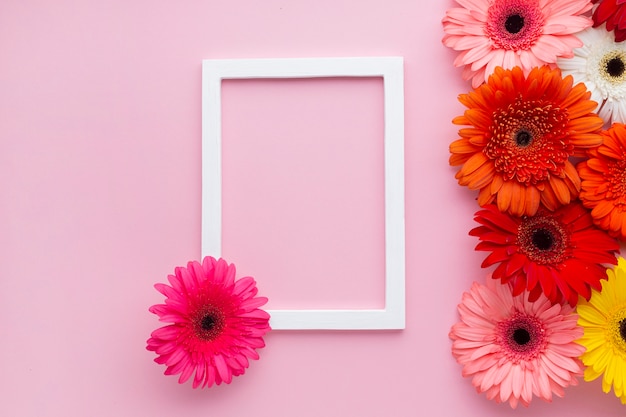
pixel 601 64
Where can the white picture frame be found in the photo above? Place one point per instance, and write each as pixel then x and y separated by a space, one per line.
pixel 390 69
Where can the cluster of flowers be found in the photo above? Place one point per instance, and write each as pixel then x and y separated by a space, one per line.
pixel 216 323
pixel 543 142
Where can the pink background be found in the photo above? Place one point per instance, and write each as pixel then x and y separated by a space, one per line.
pixel 303 199
pixel 100 181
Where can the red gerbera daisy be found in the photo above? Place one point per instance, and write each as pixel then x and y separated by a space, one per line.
pixel 217 325
pixel 559 254
pixel 603 187
pixel 613 12
pixel 520 132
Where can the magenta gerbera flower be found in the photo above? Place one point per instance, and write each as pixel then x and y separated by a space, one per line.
pixel 216 323
pixel 510 33
pixel 514 349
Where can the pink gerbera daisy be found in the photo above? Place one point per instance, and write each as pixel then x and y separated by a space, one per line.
pixel 510 33
pixel 514 349
pixel 216 323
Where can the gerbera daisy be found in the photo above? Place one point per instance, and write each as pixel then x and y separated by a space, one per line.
pixel 613 13
pixel 603 186
pixel 522 130
pixel 559 254
pixel 601 64
pixel 604 321
pixel 216 323
pixel 514 349
pixel 510 33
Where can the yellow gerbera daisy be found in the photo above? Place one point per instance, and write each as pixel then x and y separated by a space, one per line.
pixel 603 318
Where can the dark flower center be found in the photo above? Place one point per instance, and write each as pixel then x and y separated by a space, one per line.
pixel 514 23
pixel 615 67
pixel 521 336
pixel 622 329
pixel 523 138
pixel 542 239
pixel 208 322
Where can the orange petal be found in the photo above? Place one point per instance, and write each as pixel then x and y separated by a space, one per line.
pixel 548 199
pixel 485 197
pixel 462 146
pixel 518 200
pixel 496 183
pixel 504 196
pixel 533 198
pixel 561 191
pixel 481 177
pixel 473 163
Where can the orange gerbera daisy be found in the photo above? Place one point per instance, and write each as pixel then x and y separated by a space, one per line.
pixel 522 131
pixel 603 187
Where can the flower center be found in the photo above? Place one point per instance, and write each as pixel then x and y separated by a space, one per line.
pixel 617 330
pixel 523 138
pixel 543 239
pixel 613 66
pixel 528 141
pixel 522 337
pixel 615 177
pixel 514 24
pixel 209 323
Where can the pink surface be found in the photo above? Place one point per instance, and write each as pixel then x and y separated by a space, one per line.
pixel 303 197
pixel 100 180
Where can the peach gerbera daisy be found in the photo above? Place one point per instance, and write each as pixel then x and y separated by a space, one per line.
pixel 603 187
pixel 514 349
pixel 520 132
pixel 510 33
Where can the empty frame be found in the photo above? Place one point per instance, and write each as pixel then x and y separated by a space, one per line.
pixel 390 69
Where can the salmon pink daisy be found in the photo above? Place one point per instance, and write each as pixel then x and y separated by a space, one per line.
pixel 613 13
pixel 519 134
pixel 510 33
pixel 514 349
pixel 216 323
pixel 603 187
pixel 558 254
